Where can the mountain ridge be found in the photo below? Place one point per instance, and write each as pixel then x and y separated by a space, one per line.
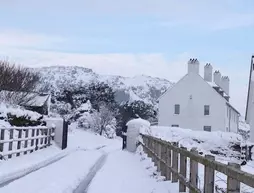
pixel 139 87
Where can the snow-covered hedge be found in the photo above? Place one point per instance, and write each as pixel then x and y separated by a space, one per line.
pixel 222 143
pixel 17 116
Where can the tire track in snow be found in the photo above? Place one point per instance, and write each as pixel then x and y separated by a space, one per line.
pixel 84 185
pixel 24 172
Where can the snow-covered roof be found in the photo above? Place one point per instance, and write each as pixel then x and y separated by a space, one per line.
pixel 212 84
pixel 38 100
pixel 28 99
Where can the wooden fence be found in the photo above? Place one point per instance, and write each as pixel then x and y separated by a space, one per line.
pixel 16 141
pixel 171 161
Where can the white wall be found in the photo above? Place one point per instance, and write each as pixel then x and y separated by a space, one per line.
pixel 232 119
pixel 192 110
pixel 58 124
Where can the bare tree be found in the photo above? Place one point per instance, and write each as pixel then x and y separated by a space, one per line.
pixel 17 83
pixel 102 119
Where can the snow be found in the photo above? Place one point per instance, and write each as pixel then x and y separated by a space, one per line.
pixel 19 166
pixel 204 141
pixel 138 87
pixel 38 100
pixel 212 84
pixel 243 125
pixel 57 177
pixel 127 174
pixel 138 122
pixel 89 159
pixel 31 99
pixel 18 111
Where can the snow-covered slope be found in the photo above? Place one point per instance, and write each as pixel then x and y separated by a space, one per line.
pixel 142 87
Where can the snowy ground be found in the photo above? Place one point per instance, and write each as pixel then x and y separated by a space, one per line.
pixel 97 162
pixel 124 172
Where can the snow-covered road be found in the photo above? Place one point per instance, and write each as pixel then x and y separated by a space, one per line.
pixel 124 172
pixel 99 165
pixel 62 176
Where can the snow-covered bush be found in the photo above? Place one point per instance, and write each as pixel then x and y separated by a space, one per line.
pixel 244 129
pixel 17 116
pixel 216 142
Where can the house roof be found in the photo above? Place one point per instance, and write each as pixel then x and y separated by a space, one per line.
pixel 31 99
pixel 171 87
pixel 228 104
pixel 212 85
pixel 224 96
pixel 37 100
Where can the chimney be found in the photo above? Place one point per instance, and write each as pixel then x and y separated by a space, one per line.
pixel 217 78
pixel 208 72
pixel 225 84
pixel 193 66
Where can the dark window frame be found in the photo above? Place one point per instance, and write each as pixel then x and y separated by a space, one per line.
pixel 177 109
pixel 207 128
pixel 206 110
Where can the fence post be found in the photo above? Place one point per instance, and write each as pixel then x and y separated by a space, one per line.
pixel 155 148
pixel 37 140
pixel 159 155
pixel 49 136
pixel 153 151
pixel 193 170
pixel 233 186
pixel 19 142
pixel 41 139
pixel 1 143
pixel 32 141
pixel 163 160
pixel 175 164
pixel 168 161
pixel 209 176
pixel 11 143
pixel 26 141
pixel 183 167
pixel 149 145
pixel 46 138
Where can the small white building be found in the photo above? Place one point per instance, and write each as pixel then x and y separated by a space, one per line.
pixel 199 103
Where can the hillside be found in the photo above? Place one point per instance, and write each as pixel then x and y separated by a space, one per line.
pixel 142 87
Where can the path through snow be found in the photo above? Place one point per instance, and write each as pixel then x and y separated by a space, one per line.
pixel 102 167
pixel 124 172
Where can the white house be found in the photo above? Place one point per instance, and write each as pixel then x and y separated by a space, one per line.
pixel 199 103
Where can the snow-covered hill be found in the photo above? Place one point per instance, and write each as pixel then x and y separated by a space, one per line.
pixel 142 87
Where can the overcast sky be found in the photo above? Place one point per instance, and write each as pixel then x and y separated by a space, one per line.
pixel 127 37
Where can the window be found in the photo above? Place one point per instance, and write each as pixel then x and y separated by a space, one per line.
pixel 174 125
pixel 206 110
pixel 177 109
pixel 207 128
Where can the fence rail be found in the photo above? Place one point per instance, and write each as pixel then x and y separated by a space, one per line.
pixel 15 141
pixel 171 161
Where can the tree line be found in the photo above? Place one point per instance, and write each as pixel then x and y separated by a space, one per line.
pixel 17 83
